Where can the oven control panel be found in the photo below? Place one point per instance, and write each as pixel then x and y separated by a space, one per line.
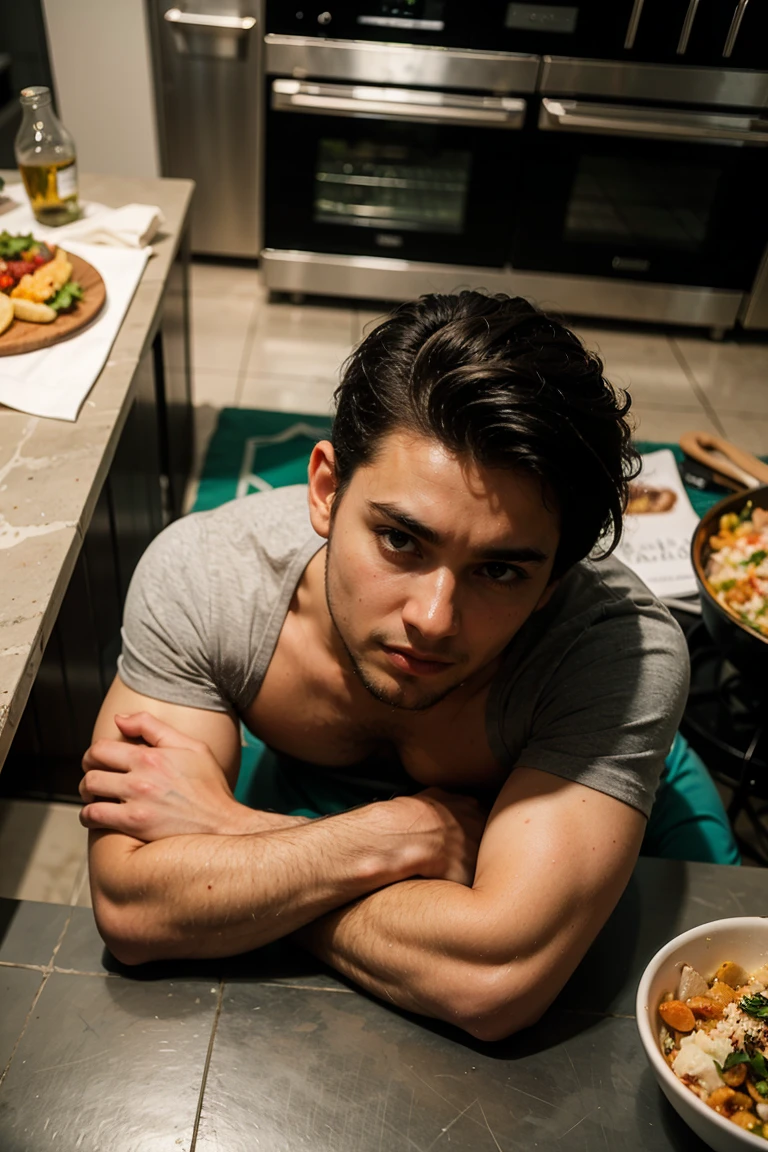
pixel 711 33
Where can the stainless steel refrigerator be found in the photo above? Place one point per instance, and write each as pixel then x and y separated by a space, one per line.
pixel 207 59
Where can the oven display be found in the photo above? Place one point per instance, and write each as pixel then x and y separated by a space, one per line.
pixel 368 184
pixel 541 18
pixel 418 15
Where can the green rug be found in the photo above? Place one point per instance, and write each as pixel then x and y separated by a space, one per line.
pixel 253 451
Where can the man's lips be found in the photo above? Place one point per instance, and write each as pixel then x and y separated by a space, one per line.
pixel 417 664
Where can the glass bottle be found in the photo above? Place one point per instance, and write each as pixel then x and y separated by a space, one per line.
pixel 45 154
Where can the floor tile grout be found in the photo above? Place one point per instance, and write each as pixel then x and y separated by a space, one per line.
pixel 250 337
pixel 698 391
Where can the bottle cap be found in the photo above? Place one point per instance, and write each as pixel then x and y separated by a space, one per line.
pixel 36 95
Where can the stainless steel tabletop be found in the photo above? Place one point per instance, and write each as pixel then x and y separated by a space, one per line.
pixel 273 1052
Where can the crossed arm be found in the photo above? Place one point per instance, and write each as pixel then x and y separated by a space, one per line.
pixel 396 895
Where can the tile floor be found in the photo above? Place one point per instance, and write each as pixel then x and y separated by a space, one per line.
pixel 252 353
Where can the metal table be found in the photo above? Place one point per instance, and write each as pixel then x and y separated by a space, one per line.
pixel 272 1051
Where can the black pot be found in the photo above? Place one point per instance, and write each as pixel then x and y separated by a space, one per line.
pixel 746 649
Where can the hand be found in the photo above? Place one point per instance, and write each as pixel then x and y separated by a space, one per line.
pixel 169 785
pixel 449 828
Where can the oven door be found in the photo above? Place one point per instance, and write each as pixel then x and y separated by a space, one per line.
pixel 645 194
pixel 414 174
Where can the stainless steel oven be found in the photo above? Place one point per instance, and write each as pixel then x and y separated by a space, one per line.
pixel 669 195
pixel 603 160
pixel 390 169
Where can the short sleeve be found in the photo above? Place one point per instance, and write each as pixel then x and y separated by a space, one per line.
pixel 166 633
pixel 607 715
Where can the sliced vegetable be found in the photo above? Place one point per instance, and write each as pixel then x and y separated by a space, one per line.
pixel 677 1015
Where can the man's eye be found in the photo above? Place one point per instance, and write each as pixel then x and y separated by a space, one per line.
pixel 501 573
pixel 396 541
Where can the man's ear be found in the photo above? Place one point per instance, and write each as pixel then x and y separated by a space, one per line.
pixel 322 486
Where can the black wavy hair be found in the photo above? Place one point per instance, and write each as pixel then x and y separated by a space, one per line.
pixel 494 379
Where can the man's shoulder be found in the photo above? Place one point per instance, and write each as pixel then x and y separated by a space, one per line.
pixel 605 589
pixel 601 606
pixel 270 526
pixel 278 511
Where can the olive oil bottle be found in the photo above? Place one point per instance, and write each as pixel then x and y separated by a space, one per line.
pixel 45 154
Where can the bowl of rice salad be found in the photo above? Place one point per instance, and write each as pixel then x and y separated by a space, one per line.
pixel 702 1015
pixel 730 561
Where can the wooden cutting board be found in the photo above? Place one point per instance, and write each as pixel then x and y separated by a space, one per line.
pixel 25 337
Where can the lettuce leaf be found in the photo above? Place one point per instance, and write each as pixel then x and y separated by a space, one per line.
pixel 66 297
pixel 11 247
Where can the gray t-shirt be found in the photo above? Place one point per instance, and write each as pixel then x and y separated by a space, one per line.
pixel 591 688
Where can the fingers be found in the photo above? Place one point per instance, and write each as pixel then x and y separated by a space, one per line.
pixel 105 785
pixel 147 727
pixel 112 754
pixel 103 815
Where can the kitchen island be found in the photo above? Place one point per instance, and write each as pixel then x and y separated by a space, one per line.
pixel 79 502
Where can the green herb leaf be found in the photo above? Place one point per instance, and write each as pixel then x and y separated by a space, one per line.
pixel 66 297
pixel 755 558
pixel 11 247
pixel 756 1006
pixel 759 1066
pixel 746 512
pixel 762 1087
pixel 734 1058
pixel 725 586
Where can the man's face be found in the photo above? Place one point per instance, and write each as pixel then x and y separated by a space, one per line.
pixel 433 565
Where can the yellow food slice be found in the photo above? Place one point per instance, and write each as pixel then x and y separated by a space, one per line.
pixel 41 285
pixel 6 312
pixel 36 313
pixel 732 974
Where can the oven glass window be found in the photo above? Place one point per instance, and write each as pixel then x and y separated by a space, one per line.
pixel 637 203
pixel 390 186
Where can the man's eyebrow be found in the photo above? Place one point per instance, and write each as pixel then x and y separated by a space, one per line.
pixel 422 532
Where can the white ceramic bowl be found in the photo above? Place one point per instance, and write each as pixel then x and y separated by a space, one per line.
pixel 741 938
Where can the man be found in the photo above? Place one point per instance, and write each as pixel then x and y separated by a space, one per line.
pixel 428 626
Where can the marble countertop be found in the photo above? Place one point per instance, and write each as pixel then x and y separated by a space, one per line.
pixel 51 471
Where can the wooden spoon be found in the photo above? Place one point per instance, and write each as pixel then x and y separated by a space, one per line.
pixel 721 456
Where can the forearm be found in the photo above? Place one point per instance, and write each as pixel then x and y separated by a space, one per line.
pixel 214 895
pixel 429 946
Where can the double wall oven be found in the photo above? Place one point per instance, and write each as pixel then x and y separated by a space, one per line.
pixel 603 159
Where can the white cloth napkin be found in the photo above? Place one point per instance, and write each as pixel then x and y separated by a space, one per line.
pixel 55 381
pixel 132 226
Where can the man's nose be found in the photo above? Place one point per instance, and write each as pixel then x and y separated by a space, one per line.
pixel 432 606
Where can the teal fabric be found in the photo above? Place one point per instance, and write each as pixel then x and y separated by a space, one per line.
pixel 688 821
pixel 251 450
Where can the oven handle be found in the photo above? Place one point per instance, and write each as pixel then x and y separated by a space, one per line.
pixel 613 120
pixel 205 22
pixel 397 104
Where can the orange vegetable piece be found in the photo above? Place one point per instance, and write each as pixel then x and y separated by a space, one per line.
pixel 720 1099
pixel 722 993
pixel 705 1008
pixel 745 1119
pixel 677 1015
